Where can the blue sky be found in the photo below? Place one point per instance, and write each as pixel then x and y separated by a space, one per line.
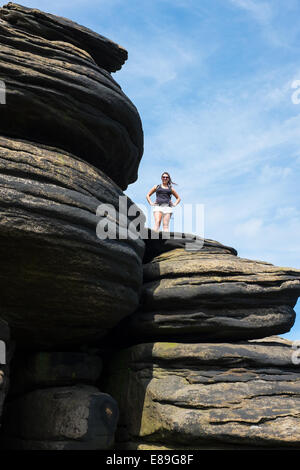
pixel 212 80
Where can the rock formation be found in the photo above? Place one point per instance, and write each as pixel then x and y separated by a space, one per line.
pixel 207 395
pixel 70 142
pixel 173 339
pixel 225 389
pixel 214 294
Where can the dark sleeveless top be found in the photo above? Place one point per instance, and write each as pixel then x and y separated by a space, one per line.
pixel 163 195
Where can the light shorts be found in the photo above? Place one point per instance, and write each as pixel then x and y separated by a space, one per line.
pixel 164 208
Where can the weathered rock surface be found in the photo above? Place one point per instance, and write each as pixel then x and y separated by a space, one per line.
pixel 211 294
pixel 106 53
pixel 53 369
pixel 209 395
pixel 60 283
pixel 59 91
pixel 61 418
pixel 157 243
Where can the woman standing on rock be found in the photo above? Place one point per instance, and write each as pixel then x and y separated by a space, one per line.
pixel 163 204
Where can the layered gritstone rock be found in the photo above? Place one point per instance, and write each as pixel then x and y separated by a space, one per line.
pixel 61 282
pixel 212 294
pixel 70 142
pixel 59 91
pixel 207 396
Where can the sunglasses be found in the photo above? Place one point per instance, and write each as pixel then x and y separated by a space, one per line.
pixel 165 177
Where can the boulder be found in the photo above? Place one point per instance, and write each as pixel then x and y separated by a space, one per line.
pixel 59 91
pixel 211 294
pixel 207 396
pixel 61 284
pixel 61 418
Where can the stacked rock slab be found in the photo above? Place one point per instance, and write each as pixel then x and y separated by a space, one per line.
pixel 211 293
pixel 55 404
pixel 70 141
pixel 207 395
pixel 198 376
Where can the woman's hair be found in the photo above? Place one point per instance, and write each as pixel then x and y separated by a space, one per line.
pixel 170 182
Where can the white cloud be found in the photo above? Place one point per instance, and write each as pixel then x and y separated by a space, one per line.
pixel 249 229
pixel 273 17
pixel 158 62
pixel 261 11
pixel 283 213
pixel 270 173
pixel 161 66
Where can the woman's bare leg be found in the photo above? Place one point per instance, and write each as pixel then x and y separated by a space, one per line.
pixel 166 221
pixel 157 218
